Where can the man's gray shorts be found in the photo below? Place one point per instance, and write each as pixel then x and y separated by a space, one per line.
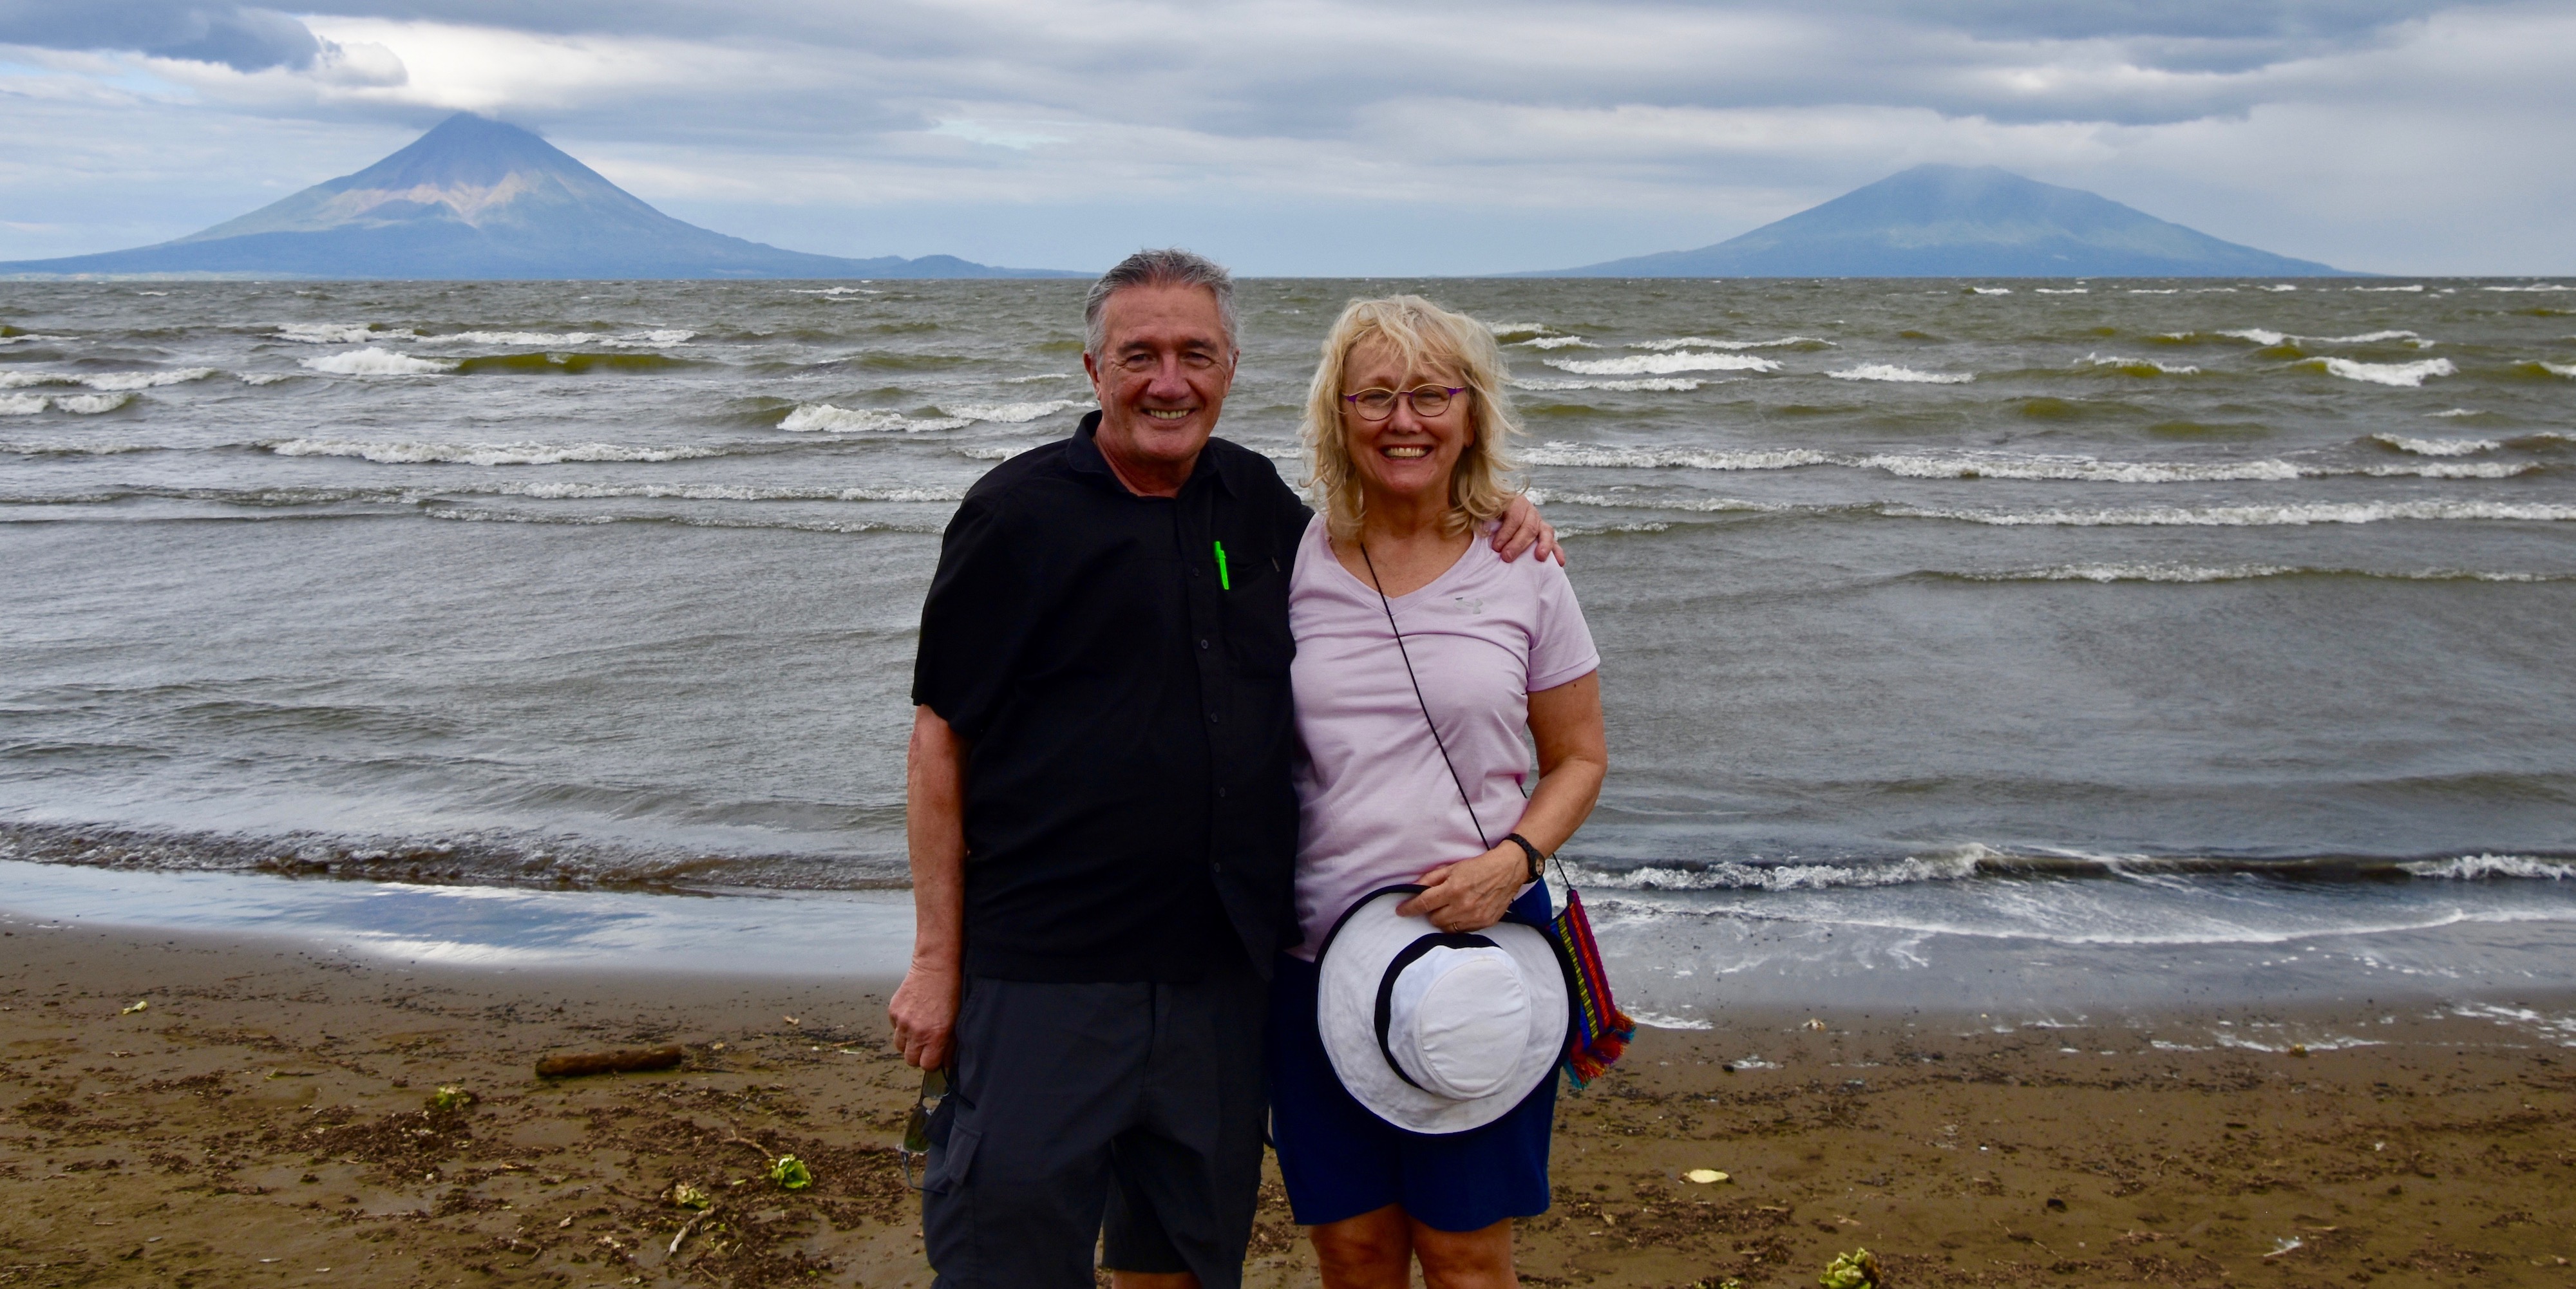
pixel 1140 1103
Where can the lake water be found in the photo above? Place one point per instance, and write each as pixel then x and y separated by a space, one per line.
pixel 2100 623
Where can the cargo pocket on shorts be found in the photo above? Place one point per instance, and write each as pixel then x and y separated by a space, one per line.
pixel 949 1163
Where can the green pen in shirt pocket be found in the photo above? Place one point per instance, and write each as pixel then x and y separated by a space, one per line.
pixel 1223 582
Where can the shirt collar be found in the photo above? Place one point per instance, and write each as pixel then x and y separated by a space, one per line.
pixel 1083 456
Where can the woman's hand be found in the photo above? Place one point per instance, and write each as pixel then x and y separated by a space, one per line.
pixel 1471 894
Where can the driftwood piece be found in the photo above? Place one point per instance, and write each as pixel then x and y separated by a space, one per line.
pixel 574 1064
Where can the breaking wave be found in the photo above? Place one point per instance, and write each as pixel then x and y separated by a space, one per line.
pixel 2247 516
pixel 402 453
pixel 1905 375
pixel 1557 342
pixel 341 333
pixel 823 418
pixel 2140 366
pixel 1702 342
pixel 372 361
pixel 1662 364
pixel 2113 572
pixel 2402 375
pixel 111 382
pixel 1647 385
pixel 2437 447
pixel 1012 413
pixel 76 404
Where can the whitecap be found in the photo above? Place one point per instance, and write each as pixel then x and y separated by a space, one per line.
pixel 833 290
pixel 2070 290
pixel 2455 412
pixel 2540 286
pixel 2143 290
pixel 707 492
pixel 988 453
pixel 341 333
pixel 1702 505
pixel 2403 375
pixel 372 361
pixel 2438 447
pixel 1044 375
pixel 22 404
pixel 824 418
pixel 1576 454
pixel 2075 468
pixel 90 404
pixel 1902 375
pixel 1649 385
pixel 29 338
pixel 1703 342
pixel 133 380
pixel 2471 868
pixel 410 453
pixel 2249 516
pixel 2258 335
pixel 2280 287
pixel 2453 470
pixel 265 377
pixel 1501 329
pixel 1013 413
pixel 1990 290
pixel 2557 369
pixel 1662 364
pixel 83 449
pixel 2384 289
pixel 2141 366
pixel 1557 342
pixel 1728 875
pixel 2107 573
pixel 565 339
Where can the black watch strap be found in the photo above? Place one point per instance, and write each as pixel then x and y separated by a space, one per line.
pixel 1538 861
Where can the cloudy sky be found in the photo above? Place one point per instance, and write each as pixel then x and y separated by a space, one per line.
pixel 1327 136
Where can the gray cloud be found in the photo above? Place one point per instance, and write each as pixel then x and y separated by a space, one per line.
pixel 245 39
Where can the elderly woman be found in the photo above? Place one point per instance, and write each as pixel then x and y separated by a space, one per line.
pixel 1421 657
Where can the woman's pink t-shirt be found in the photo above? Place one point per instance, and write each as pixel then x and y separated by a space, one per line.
pixel 1376 806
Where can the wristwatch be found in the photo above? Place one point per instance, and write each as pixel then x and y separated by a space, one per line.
pixel 1538 861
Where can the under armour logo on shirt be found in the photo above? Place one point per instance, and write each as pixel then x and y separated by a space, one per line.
pixel 1471 603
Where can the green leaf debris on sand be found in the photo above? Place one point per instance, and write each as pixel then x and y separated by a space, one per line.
pixel 450 1097
pixel 791 1173
pixel 688 1196
pixel 1857 1269
pixel 139 1005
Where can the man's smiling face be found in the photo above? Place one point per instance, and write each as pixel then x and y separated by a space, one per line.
pixel 1162 374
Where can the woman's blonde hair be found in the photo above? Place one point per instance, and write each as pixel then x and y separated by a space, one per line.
pixel 1425 335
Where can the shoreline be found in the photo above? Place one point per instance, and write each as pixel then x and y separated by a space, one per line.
pixel 271 1103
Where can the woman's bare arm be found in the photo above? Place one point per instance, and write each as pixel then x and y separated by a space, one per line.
pixel 1573 759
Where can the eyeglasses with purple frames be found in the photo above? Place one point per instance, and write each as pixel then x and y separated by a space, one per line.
pixel 1426 400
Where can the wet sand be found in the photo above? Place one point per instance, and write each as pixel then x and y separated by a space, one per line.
pixel 268 1119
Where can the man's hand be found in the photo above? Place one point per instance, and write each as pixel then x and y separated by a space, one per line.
pixel 924 1012
pixel 1521 531
pixel 924 1008
pixel 1471 894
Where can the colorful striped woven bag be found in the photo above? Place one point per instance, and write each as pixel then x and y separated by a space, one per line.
pixel 1601 1030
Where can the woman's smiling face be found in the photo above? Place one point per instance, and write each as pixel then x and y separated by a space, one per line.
pixel 1407 455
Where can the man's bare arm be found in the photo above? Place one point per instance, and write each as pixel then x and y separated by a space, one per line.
pixel 924 1008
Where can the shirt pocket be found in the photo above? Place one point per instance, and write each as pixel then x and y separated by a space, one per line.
pixel 1256 619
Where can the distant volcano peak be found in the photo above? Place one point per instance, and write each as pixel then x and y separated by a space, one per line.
pixel 479 198
pixel 1963 221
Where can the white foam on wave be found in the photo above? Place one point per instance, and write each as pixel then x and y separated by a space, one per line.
pixel 566 339
pixel 1576 454
pixel 823 418
pixel 76 404
pixel 372 361
pixel 22 404
pixel 2439 447
pixel 833 290
pixel 29 338
pixel 341 333
pixel 2235 572
pixel 2284 286
pixel 58 447
pixel 2452 470
pixel 2537 286
pixel 988 453
pixel 2074 468
pixel 1731 876
pixel 2248 516
pixel 2267 337
pixel 265 377
pixel 1044 375
pixel 2258 335
pixel 2063 290
pixel 1557 342
pixel 2383 289
pixel 2144 290
pixel 2398 375
pixel 1648 385
pixel 1013 413
pixel 109 382
pixel 1733 346
pixel 1902 375
pixel 2140 366
pixel 2557 369
pixel 1701 505
pixel 683 521
pixel 709 492
pixel 2474 868
pixel 1662 364
pixel 1501 329
pixel 1990 290
pixel 410 453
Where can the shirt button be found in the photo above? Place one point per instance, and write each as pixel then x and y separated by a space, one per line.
pixel 1203 644
pixel 1212 718
pixel 1220 793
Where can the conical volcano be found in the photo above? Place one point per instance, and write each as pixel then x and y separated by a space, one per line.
pixel 479 199
pixel 1961 221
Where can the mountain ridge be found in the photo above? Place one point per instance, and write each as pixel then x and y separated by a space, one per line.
pixel 1960 221
pixel 475 198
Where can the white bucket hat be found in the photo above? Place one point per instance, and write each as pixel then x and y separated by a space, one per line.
pixel 1435 1032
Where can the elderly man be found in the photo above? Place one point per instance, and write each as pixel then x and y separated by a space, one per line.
pixel 1101 821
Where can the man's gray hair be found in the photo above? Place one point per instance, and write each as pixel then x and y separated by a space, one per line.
pixel 1171 266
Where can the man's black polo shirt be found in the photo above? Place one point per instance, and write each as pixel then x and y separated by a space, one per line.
pixel 1127 793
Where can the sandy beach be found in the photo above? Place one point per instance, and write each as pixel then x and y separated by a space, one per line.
pixel 270 1118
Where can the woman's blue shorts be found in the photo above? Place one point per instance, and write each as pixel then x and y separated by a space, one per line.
pixel 1340 1161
